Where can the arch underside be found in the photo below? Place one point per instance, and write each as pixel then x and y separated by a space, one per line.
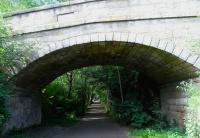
pixel 161 66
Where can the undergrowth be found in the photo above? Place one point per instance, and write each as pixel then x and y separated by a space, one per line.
pixel 66 120
pixel 154 133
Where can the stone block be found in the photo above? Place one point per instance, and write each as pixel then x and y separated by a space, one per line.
pixel 24 108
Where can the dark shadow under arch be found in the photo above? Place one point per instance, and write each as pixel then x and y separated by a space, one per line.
pixel 159 65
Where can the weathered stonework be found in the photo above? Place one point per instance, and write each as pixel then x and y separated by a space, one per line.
pixel 24 108
pixel 151 36
pixel 173 103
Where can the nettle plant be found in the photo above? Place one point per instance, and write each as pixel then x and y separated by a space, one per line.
pixel 192 92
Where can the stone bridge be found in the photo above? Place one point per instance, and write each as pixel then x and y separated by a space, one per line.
pixel 151 36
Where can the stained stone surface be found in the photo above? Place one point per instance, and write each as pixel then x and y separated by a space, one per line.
pixel 153 37
pixel 24 108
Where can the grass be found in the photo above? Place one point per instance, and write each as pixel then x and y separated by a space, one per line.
pixel 152 133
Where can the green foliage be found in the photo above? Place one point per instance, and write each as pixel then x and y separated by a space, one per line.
pixel 130 113
pixel 4 90
pixel 195 46
pixel 13 5
pixel 101 82
pixel 65 120
pixel 136 110
pixel 67 96
pixel 4 84
pixel 151 133
pixel 13 54
pixel 191 119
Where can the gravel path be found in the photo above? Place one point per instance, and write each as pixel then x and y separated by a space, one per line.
pixel 95 124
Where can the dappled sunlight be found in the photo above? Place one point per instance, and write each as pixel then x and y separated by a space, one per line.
pixel 95 112
pixel 93 118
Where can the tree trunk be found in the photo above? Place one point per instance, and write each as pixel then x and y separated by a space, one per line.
pixel 70 80
pixel 120 85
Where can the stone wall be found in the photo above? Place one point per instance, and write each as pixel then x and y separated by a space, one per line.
pixel 168 20
pixel 164 25
pixel 24 108
pixel 173 103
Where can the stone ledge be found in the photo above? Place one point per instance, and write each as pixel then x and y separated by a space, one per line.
pixel 51 6
pixel 54 26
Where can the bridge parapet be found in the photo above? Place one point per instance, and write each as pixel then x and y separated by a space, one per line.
pixel 147 35
pixel 101 11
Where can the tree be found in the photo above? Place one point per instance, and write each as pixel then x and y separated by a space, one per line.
pixel 70 83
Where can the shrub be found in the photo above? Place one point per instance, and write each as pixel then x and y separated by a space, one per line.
pixel 65 96
pixel 65 120
pixel 130 113
pixel 13 54
pixel 191 119
pixel 4 91
pixel 151 133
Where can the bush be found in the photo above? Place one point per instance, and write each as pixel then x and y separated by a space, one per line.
pixel 4 91
pixel 191 118
pixel 130 113
pixel 66 96
pixel 151 133
pixel 13 54
pixel 65 120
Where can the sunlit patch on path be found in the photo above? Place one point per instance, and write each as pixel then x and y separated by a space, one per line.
pixel 95 124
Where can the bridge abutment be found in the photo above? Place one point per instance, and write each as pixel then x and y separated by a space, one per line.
pixel 24 108
pixel 71 36
pixel 174 103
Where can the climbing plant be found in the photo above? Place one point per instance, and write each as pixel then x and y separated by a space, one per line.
pixel 193 104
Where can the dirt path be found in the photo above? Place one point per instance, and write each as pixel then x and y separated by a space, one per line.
pixel 95 124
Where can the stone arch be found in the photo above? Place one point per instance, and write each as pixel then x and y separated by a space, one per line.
pixel 157 58
pixel 165 55
pixel 160 58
